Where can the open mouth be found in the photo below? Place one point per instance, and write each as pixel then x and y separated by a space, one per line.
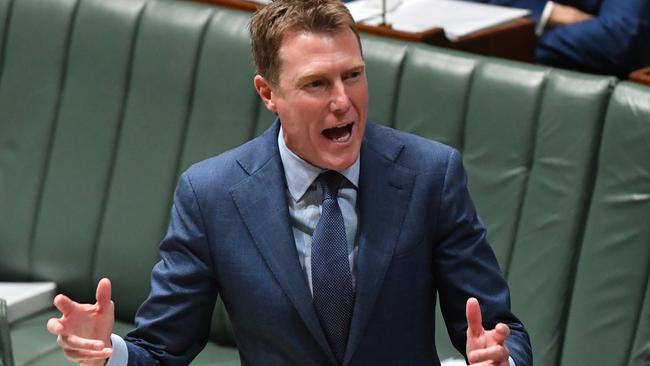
pixel 340 133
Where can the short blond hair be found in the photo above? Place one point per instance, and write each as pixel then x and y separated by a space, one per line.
pixel 272 23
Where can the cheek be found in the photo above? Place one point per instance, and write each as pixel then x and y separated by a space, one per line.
pixel 301 131
pixel 359 96
pixel 306 109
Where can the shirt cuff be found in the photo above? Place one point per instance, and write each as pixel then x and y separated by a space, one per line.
pixel 543 20
pixel 120 356
pixel 510 360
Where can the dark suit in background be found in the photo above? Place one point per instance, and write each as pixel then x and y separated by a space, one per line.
pixel 230 235
pixel 616 41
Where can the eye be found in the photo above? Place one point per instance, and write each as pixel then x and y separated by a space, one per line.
pixel 315 84
pixel 353 75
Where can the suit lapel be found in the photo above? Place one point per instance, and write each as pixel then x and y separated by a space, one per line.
pixel 262 203
pixel 384 192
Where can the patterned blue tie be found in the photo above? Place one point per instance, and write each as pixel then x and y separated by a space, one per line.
pixel 330 268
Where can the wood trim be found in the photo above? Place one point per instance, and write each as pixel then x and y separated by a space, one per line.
pixel 237 4
pixel 514 40
pixel 431 36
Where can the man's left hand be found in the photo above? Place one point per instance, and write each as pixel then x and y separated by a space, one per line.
pixel 485 347
pixel 567 15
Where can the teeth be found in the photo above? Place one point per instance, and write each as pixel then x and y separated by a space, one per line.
pixel 343 138
pixel 339 133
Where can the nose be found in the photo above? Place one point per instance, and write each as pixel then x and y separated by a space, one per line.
pixel 339 101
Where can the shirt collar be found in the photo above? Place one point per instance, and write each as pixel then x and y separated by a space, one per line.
pixel 300 174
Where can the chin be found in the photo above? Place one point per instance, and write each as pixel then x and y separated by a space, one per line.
pixel 339 164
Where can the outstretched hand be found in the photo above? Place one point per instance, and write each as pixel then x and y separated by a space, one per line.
pixel 485 347
pixel 84 330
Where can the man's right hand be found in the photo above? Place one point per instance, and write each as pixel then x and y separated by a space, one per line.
pixel 84 330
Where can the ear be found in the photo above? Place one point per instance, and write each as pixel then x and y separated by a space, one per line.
pixel 263 88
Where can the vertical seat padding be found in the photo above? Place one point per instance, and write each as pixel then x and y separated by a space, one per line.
pixel 384 59
pixel 554 209
pixel 499 137
pixel 34 59
pixel 612 272
pixel 83 145
pixel 225 104
pixel 433 93
pixel 151 139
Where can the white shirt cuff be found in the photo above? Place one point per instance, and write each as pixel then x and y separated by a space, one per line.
pixel 459 362
pixel 120 355
pixel 543 20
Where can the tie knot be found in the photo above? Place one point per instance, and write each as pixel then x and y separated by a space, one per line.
pixel 330 183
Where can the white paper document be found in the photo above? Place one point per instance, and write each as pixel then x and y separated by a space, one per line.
pixel 363 10
pixel 26 298
pixel 457 18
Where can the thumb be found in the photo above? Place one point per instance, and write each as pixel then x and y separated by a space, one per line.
pixel 474 319
pixel 103 294
pixel 64 304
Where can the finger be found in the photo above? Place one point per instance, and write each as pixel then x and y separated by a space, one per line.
pixel 74 342
pixel 501 332
pixel 474 321
pixel 84 356
pixel 54 326
pixel 103 294
pixel 496 354
pixel 64 304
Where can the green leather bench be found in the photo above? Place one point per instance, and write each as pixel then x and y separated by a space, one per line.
pixel 104 102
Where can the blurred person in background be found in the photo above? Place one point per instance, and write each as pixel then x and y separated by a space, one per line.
pixel 598 36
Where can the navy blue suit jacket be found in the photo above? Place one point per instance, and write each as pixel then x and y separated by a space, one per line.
pixel 615 42
pixel 230 235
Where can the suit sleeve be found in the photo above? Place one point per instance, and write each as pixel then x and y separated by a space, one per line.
pixel 467 267
pixel 614 42
pixel 172 325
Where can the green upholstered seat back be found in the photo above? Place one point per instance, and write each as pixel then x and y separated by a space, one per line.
pixel 433 94
pixel 102 104
pixel 36 35
pixel 640 351
pixel 152 136
pixel 553 211
pixel 500 128
pixel 611 282
pixel 384 61
pixel 83 144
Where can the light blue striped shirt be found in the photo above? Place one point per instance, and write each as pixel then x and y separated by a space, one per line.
pixel 304 198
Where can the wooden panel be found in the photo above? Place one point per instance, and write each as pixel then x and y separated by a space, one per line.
pixel 514 40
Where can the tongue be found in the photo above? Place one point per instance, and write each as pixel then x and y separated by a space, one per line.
pixel 337 133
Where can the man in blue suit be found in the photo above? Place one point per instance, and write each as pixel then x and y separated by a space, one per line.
pixel 600 36
pixel 326 237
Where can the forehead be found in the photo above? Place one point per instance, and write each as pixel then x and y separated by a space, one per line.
pixel 303 50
